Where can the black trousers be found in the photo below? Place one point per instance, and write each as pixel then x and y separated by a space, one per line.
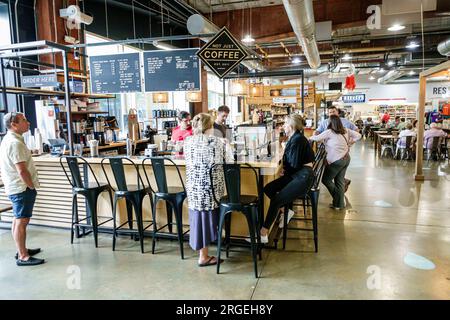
pixel 285 190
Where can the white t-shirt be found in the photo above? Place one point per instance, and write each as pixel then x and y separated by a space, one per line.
pixel 12 151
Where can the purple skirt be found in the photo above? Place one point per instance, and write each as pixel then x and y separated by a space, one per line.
pixel 203 228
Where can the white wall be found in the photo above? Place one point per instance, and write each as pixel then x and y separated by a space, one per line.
pixel 373 90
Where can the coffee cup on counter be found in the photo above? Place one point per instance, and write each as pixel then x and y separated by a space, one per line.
pixel 93 144
pixel 163 146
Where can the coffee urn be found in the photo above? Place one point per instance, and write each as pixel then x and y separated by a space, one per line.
pixel 99 133
pixel 78 132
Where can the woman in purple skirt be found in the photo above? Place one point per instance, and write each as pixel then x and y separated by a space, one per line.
pixel 201 151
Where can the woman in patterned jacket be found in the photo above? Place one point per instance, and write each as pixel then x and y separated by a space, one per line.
pixel 202 150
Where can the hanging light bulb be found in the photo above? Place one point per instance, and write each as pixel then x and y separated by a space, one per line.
pixel 248 39
pixel 296 60
pixel 257 90
pixel 347 57
pixel 412 45
pixel 238 88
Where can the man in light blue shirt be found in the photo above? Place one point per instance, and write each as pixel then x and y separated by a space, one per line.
pixel 323 125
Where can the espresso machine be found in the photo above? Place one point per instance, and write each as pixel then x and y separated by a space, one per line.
pixel 99 133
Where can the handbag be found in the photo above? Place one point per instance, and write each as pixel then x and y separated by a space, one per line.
pixel 348 149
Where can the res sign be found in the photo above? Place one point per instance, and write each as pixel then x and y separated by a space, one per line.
pixel 439 91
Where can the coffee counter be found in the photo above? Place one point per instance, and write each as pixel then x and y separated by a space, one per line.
pixel 54 200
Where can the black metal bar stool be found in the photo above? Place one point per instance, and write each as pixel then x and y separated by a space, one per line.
pixel 90 190
pixel 173 196
pixel 234 201
pixel 133 194
pixel 311 198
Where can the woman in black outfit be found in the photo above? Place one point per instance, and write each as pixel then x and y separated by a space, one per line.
pixel 297 175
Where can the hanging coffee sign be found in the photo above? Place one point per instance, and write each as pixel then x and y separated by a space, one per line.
pixel 222 53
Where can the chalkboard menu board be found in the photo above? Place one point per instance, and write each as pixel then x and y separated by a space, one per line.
pixel 115 73
pixel 171 70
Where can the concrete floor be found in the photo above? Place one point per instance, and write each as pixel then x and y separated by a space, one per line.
pixel 361 251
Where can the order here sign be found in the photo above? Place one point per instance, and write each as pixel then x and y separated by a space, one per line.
pixel 222 53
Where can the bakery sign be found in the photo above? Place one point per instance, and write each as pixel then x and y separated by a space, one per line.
pixel 354 98
pixel 222 53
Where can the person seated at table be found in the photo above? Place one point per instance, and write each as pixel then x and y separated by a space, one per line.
pixel 408 132
pixel 202 151
pixel 434 131
pixel 184 128
pixel 297 175
pixel 368 123
pixel 415 123
pixel 385 117
pixel 359 123
pixel 383 124
pixel 401 125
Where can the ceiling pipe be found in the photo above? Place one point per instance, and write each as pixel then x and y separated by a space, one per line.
pixel 301 17
pixel 444 47
pixel 198 24
pixel 390 77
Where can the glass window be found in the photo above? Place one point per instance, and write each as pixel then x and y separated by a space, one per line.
pixel 120 106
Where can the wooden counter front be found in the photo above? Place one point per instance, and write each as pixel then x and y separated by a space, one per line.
pixel 54 200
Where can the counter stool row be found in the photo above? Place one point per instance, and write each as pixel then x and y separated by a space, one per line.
pixel 134 195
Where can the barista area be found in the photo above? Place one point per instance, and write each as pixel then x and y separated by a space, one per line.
pixel 141 124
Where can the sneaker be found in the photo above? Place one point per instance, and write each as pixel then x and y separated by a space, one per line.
pixel 290 215
pixel 30 262
pixel 31 252
pixel 264 239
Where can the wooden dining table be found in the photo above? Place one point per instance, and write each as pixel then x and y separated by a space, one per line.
pixel 386 136
pixel 375 139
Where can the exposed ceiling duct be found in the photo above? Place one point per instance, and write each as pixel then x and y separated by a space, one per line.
pixel 301 17
pixel 444 47
pixel 197 24
pixel 391 76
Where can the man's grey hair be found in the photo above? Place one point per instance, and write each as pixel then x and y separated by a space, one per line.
pixel 10 118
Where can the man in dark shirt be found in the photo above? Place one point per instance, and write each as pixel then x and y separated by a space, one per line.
pixel 220 129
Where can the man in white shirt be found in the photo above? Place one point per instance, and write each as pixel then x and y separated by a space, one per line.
pixel 434 131
pixel 20 178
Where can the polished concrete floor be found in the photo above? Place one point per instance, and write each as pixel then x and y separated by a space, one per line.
pixel 361 251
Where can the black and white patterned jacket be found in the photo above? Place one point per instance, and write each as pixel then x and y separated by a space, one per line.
pixel 201 152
